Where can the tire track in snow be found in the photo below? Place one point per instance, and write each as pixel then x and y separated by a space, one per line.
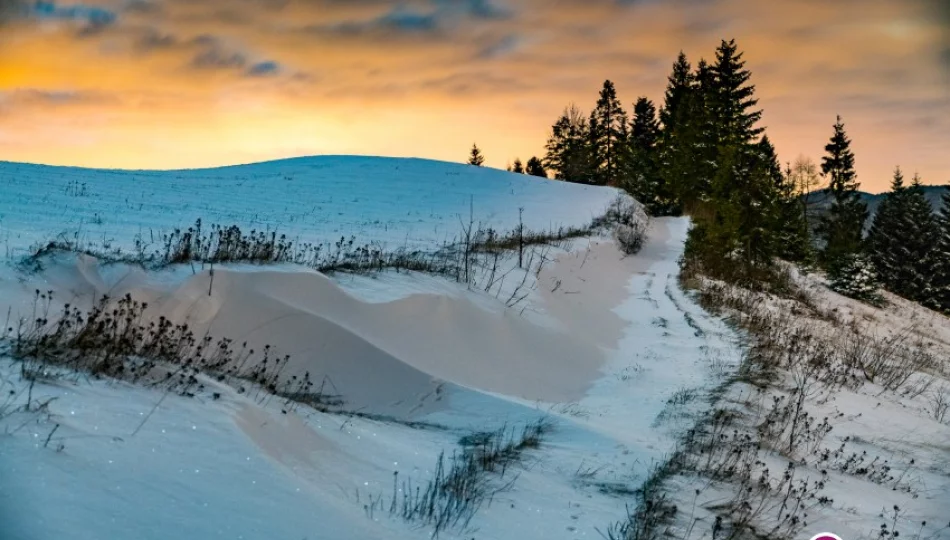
pixel 690 321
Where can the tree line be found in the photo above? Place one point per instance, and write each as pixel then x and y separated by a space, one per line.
pixel 534 167
pixel 703 152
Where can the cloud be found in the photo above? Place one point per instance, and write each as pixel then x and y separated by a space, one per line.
pixel 501 47
pixel 941 8
pixel 399 21
pixel 91 18
pixel 151 39
pixel 216 58
pixel 38 97
pixel 150 7
pixel 479 9
pixel 264 69
pixel 12 9
pixel 92 15
pixel 422 18
pixel 216 55
pixel 476 83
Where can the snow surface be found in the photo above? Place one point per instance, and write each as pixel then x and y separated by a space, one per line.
pixel 599 345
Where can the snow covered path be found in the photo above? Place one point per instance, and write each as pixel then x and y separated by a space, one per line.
pixel 667 344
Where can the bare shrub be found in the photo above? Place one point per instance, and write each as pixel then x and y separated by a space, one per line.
pixel 940 404
pixel 630 238
pixel 116 340
pixel 475 251
pixel 889 361
pixel 652 511
pixel 461 485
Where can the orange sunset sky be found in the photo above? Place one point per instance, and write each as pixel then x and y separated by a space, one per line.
pixel 188 83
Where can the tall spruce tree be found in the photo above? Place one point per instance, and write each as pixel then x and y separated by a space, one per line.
pixel 608 132
pixel 841 228
pixel 722 121
pixel 939 298
pixel 703 134
pixel 535 168
pixel 687 149
pixel 920 232
pixel 678 88
pixel 743 203
pixel 674 145
pixel 641 159
pixel 884 237
pixel 475 156
pixel 568 150
pixel 734 108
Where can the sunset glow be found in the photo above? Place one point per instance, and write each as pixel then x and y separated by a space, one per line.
pixel 177 83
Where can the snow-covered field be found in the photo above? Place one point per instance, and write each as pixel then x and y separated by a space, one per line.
pixel 599 345
pixel 606 347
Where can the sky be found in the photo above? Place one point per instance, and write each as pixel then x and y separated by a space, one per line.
pixel 187 83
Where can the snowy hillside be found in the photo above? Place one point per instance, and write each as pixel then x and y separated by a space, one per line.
pixel 399 202
pixel 590 343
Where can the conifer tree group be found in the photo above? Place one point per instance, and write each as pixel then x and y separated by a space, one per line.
pixel 704 152
pixel 939 297
pixel 903 243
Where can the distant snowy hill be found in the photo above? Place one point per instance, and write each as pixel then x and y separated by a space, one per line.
pixel 396 201
pixel 821 199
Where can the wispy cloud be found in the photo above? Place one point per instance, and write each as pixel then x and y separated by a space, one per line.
pixel 266 68
pixel 25 97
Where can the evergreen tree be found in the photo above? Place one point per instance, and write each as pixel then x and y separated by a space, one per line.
pixel 793 242
pixel 734 105
pixel 674 145
pixel 568 148
pixel 842 226
pixel 920 232
pixel 939 298
pixel 884 237
pixel 720 120
pixel 703 135
pixel 678 87
pixel 856 278
pixel 641 159
pixel 475 157
pixel 690 148
pixel 736 179
pixel 744 210
pixel 608 131
pixel 535 168
pixel 517 167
